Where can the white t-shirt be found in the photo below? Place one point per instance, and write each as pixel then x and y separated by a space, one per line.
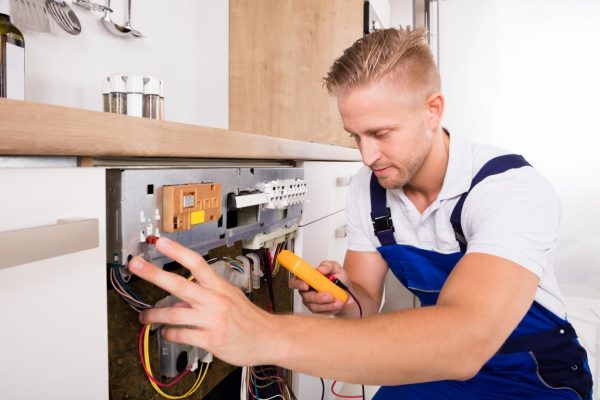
pixel 514 215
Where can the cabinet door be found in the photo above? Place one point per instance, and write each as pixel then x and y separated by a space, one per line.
pixel 279 51
pixel 317 242
pixel 324 239
pixel 327 184
pixel 54 327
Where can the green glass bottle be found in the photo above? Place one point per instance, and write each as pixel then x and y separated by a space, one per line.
pixel 12 56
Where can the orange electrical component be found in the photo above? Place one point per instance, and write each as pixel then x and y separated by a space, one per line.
pixel 187 205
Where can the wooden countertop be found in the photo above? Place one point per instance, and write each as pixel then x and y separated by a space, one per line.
pixel 38 129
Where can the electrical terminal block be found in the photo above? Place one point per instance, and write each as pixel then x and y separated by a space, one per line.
pixel 256 271
pixel 270 239
pixel 240 278
pixel 282 193
pixel 187 205
pixel 207 359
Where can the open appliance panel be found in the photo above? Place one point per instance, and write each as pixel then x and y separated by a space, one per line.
pixel 135 207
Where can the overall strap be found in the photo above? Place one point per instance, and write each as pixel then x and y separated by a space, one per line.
pixel 492 167
pixel 380 214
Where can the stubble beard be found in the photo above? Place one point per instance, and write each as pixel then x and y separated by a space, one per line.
pixel 405 173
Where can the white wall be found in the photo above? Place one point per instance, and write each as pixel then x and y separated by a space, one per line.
pixel 523 75
pixel 401 13
pixel 186 45
pixel 382 9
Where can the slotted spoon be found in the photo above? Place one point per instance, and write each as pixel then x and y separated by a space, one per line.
pixel 64 16
pixel 29 14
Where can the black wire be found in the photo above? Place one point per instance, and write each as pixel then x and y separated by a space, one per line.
pixel 269 277
pixel 322 389
pixel 361 314
pixel 357 302
pixel 344 287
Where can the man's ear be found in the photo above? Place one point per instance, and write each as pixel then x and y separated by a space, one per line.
pixel 435 110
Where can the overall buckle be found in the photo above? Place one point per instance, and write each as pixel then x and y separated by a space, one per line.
pixel 383 223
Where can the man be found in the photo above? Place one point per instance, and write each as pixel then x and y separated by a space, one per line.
pixel 470 229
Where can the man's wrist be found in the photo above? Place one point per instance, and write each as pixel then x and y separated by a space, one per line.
pixel 279 346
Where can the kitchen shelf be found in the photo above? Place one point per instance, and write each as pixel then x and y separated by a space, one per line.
pixel 28 128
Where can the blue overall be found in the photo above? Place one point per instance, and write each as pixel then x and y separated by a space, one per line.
pixel 541 359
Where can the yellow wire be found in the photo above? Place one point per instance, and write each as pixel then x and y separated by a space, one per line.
pixel 197 384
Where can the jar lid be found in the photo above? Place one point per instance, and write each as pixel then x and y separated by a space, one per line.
pixel 134 84
pixel 151 85
pixel 105 84
pixel 117 83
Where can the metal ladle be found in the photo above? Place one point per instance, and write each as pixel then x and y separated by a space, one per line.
pixel 134 32
pixel 113 28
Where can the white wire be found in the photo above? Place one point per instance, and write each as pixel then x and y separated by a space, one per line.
pixel 133 303
pixel 271 398
pixel 244 384
pixel 117 286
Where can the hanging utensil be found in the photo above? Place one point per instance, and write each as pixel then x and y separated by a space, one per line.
pixel 64 16
pixel 88 5
pixel 30 15
pixel 113 28
pixel 134 32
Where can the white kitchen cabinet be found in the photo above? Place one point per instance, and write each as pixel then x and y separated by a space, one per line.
pixel 53 310
pixel 322 236
pixel 327 184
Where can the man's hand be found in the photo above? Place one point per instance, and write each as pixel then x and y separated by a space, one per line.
pixel 323 302
pixel 218 317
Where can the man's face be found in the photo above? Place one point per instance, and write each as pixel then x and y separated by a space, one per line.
pixel 391 131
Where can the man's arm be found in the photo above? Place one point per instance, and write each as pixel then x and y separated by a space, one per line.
pixel 482 301
pixel 363 273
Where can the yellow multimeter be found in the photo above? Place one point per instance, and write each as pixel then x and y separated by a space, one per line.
pixel 310 275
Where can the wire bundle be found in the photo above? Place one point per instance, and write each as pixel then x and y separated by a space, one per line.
pixel 264 379
pixel 144 353
pixel 235 265
pixel 120 286
pixel 280 246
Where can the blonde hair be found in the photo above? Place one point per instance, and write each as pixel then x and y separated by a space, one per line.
pixel 401 54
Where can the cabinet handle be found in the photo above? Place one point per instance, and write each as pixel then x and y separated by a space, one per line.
pixel 343 180
pixel 341 232
pixel 67 236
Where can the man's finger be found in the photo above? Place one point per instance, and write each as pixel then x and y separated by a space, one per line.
pixel 317 297
pixel 175 284
pixel 172 316
pixel 191 260
pixel 295 283
pixel 327 308
pixel 191 336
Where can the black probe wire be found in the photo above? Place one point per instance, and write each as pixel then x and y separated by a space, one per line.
pixel 360 312
pixel 322 389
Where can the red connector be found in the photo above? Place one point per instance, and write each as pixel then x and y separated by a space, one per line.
pixel 151 239
pixel 337 282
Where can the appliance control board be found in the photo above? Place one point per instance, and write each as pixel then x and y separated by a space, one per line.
pixel 201 208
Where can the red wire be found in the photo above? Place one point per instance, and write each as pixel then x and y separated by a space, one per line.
pixel 270 266
pixel 153 379
pixel 251 386
pixel 341 395
pixel 265 378
pixel 275 378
